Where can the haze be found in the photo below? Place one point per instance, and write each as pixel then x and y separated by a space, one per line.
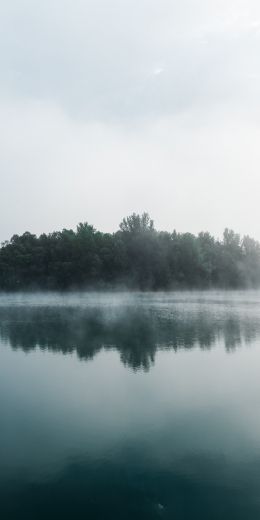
pixel 107 108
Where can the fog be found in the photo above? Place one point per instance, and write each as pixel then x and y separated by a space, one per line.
pixel 110 108
pixel 136 325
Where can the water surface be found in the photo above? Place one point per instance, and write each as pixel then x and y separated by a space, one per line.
pixel 125 406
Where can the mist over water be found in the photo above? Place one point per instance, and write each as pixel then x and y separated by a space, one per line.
pixel 136 325
pixel 130 405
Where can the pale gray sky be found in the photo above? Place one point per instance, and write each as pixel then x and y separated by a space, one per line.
pixel 114 106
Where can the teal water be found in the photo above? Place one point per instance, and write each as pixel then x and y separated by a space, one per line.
pixel 140 406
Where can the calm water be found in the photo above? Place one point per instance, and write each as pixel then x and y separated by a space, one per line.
pixel 130 406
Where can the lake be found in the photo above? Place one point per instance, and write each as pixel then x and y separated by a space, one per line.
pixel 130 406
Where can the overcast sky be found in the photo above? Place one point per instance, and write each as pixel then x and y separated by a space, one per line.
pixel 113 106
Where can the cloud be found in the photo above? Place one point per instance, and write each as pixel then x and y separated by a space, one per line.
pixel 112 107
pixel 92 56
pixel 191 172
pixel 158 71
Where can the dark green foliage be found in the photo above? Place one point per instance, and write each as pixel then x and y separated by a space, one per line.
pixel 137 256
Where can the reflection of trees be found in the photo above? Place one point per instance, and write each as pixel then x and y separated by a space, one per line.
pixel 137 333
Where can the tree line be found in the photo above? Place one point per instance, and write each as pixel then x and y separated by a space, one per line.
pixel 134 331
pixel 137 256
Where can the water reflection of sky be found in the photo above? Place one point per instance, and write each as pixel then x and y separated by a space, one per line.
pixel 186 427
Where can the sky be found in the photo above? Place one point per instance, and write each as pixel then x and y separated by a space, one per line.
pixel 109 107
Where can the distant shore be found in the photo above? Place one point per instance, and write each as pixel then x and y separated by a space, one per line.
pixel 136 257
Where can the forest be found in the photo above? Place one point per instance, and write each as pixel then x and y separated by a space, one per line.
pixel 137 256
